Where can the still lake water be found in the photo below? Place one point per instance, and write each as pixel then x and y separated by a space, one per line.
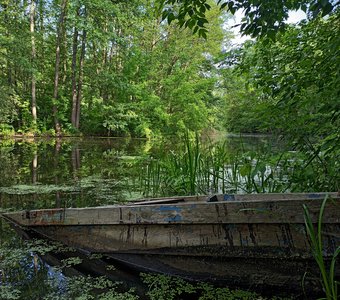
pixel 36 174
pixel 85 172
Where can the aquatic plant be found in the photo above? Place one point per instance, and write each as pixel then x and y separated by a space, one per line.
pixel 23 189
pixel 329 283
pixel 164 287
pixel 87 288
pixel 198 169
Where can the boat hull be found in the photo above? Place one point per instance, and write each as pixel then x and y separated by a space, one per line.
pixel 254 243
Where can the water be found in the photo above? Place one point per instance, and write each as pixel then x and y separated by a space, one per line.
pixel 80 172
pixel 36 174
pixel 65 173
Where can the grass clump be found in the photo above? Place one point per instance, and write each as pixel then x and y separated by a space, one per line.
pixel 329 284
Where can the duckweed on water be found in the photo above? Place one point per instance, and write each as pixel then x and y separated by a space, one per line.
pixel 23 189
pixel 163 287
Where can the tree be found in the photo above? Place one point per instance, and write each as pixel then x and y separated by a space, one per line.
pixel 103 69
pixel 74 70
pixel 60 31
pixel 33 55
pixel 297 78
pixel 262 18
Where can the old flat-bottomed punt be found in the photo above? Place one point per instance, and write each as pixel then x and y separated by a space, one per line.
pixel 254 241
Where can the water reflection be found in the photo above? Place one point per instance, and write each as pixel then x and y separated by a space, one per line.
pixel 68 172
pixel 79 172
pixel 57 173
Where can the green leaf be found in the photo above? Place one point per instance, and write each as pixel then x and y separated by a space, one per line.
pixel 201 22
pixel 245 170
pixel 327 9
pixel 171 17
pixel 224 5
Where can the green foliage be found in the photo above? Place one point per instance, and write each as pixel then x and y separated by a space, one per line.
pixel 9 293
pixel 260 18
pixel 293 82
pixel 37 189
pixel 328 279
pixel 120 119
pixel 9 101
pixel 139 77
pixel 242 109
pixel 6 130
pixel 299 73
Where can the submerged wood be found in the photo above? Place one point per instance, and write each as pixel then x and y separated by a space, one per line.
pixel 256 241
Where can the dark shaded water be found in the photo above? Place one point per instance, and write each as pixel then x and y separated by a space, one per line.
pixel 71 173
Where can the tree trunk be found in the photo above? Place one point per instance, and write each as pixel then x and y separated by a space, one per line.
pixel 74 75
pixel 80 79
pixel 33 56
pixel 105 94
pixel 57 64
pixel 7 49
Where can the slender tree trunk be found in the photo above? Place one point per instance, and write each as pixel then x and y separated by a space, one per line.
pixel 118 30
pixel 33 56
pixel 57 65
pixel 80 79
pixel 74 74
pixel 111 52
pixel 7 50
pixel 105 94
pixel 41 15
pixel 64 56
pixel 40 28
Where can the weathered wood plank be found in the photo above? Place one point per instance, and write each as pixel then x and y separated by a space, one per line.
pixel 238 212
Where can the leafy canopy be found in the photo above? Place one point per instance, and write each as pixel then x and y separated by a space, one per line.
pixel 261 18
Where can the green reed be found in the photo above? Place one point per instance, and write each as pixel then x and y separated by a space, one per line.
pixel 204 169
pixel 197 168
pixel 330 285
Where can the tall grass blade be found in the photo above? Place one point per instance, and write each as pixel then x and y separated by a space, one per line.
pixel 328 281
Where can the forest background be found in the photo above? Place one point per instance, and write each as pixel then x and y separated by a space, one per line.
pixel 107 68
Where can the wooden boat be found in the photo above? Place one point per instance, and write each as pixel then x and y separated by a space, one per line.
pixel 255 241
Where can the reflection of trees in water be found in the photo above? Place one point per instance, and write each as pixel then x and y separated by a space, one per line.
pixel 71 172
pixel 75 157
pixel 77 172
pixel 55 166
pixel 8 164
pixel 34 167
